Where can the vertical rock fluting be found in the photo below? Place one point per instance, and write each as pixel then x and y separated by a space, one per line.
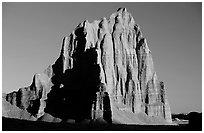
pixel 102 65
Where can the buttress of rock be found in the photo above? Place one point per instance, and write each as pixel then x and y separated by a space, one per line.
pixel 104 67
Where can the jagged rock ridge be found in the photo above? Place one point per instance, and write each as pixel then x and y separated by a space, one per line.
pixel 105 69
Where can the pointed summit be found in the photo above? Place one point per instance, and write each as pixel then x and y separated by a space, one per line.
pixel 122 9
pixel 123 17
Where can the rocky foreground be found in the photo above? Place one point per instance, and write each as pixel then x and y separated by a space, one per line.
pixel 104 72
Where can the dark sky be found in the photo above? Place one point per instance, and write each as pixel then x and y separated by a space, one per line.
pixel 33 33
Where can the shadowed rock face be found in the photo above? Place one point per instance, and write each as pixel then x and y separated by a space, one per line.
pixel 104 67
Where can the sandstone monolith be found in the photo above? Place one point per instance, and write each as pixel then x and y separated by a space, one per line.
pixel 104 71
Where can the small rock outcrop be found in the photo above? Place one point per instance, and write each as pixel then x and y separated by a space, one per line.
pixel 104 68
